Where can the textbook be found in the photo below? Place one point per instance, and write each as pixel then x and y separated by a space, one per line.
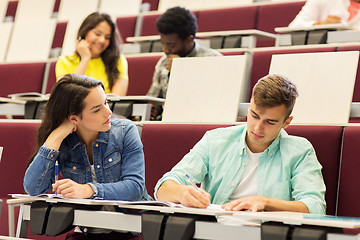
pixel 29 96
pixel 61 198
pixel 212 209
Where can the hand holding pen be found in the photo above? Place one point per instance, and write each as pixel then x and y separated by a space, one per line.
pixel 196 197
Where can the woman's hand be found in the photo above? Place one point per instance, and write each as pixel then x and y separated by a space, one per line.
pixel 83 48
pixel 56 137
pixel 70 189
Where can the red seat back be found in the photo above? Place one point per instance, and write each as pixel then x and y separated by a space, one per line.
pixel 21 77
pixel 166 144
pixel 277 15
pixel 239 18
pixel 19 142
pixel 348 200
pixel 141 70
pixel 126 26
pixel 59 35
pixel 326 141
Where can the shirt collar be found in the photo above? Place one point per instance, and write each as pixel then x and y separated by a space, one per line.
pixel 274 146
pixel 74 142
pixel 193 51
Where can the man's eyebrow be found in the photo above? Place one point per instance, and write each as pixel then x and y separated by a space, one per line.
pixel 253 112
pixel 270 120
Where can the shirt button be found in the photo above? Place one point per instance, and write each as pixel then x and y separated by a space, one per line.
pixel 233 185
pixel 244 164
pixel 85 229
pixel 110 159
pixel 270 154
pixel 98 166
pixel 74 167
pixel 96 145
pixel 87 168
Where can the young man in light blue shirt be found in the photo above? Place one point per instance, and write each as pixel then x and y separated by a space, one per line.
pixel 256 166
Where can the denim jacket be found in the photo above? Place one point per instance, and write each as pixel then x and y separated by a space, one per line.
pixel 118 162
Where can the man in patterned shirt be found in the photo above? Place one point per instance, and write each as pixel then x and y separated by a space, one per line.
pixel 177 28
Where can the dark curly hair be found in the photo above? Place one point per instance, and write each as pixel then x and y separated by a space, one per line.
pixel 177 20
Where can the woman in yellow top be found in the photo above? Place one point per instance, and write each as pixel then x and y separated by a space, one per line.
pixel 98 54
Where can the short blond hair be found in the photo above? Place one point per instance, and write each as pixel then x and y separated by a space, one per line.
pixel 275 90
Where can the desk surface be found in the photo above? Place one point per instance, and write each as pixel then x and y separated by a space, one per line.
pixel 338 26
pixel 253 32
pixel 203 230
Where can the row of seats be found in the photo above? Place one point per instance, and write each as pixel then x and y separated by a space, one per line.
pixel 263 17
pixel 165 145
pixel 58 35
pixel 10 8
pixel 52 33
pixel 40 76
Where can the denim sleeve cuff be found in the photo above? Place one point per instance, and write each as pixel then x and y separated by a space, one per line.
pixel 48 153
pixel 98 191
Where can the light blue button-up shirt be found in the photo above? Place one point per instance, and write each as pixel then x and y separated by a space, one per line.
pixel 288 169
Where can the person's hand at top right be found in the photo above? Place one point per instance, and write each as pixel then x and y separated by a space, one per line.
pixel 331 19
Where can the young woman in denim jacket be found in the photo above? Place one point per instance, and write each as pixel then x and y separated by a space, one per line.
pixel 99 156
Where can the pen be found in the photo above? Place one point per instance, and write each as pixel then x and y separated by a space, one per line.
pixel 192 183
pixel 56 172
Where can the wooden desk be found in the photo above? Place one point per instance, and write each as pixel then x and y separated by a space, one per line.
pixel 203 230
pixel 248 37
pixel 286 34
pixel 141 106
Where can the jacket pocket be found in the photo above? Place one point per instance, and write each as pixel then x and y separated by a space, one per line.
pixel 112 166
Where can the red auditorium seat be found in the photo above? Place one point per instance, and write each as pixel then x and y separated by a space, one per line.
pixel 166 144
pixel 326 141
pixel 141 70
pixel 271 16
pixel 21 77
pixel 57 5
pixel 239 18
pixel 349 184
pixel 11 9
pixel 148 26
pixel 51 79
pixel 154 4
pixel 262 59
pixel 126 26
pixel 19 142
pixel 59 35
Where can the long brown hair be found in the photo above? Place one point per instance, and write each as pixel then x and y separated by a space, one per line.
pixel 66 98
pixel 111 54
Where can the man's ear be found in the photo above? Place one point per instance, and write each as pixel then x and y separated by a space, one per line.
pixel 74 119
pixel 190 39
pixel 287 122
